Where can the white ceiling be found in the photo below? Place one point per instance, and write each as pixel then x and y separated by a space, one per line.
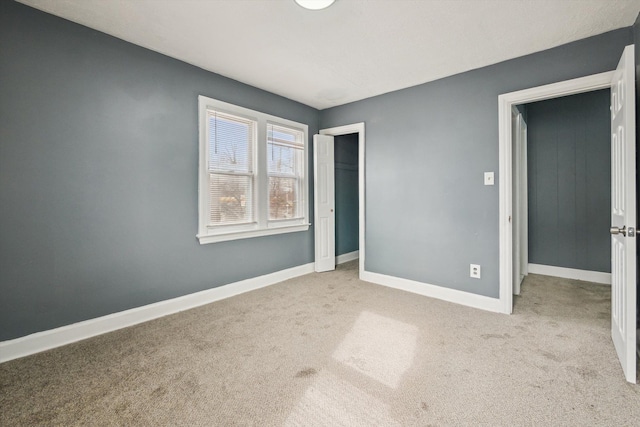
pixel 353 50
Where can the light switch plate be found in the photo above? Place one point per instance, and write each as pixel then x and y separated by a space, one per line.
pixel 488 178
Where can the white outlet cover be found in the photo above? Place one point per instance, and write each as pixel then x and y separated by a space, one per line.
pixel 474 271
pixel 488 178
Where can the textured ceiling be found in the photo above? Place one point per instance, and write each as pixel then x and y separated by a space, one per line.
pixel 355 49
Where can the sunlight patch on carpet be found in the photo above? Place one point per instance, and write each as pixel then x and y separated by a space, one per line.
pixel 379 347
pixel 330 401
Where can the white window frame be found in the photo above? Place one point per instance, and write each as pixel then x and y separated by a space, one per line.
pixel 298 175
pixel 262 225
pixel 251 223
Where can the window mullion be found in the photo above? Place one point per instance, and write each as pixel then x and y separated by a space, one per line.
pixel 262 180
pixel 283 175
pixel 231 173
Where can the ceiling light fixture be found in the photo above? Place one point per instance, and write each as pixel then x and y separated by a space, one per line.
pixel 315 4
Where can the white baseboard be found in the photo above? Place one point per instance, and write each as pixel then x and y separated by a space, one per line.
pixel 433 291
pixel 341 259
pixel 571 273
pixel 41 341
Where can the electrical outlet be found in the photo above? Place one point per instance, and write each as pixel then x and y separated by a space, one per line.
pixel 474 271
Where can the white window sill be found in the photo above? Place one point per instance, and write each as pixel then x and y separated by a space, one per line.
pixel 236 235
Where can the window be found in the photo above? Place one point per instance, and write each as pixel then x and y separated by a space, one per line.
pixel 285 160
pixel 230 166
pixel 253 173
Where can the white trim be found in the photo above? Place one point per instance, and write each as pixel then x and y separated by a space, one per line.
pixel 41 341
pixel 571 273
pixel 359 129
pixel 433 291
pixel 341 259
pixel 236 235
pixel 505 102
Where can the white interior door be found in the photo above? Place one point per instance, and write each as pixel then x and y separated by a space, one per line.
pixel 524 203
pixel 515 199
pixel 623 214
pixel 519 200
pixel 324 201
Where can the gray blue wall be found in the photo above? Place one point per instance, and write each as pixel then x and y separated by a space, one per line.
pixel 346 193
pixel 98 166
pixel 569 185
pixel 428 214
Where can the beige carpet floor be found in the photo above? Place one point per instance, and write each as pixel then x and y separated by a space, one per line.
pixel 328 349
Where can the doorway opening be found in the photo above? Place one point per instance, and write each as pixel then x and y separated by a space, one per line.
pixel 346 197
pixel 339 196
pixel 621 84
pixel 512 220
pixel 562 188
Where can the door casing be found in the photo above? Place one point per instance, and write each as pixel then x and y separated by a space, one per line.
pixel 505 172
pixel 345 130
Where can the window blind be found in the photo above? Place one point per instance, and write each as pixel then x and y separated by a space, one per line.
pixel 231 171
pixel 285 167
